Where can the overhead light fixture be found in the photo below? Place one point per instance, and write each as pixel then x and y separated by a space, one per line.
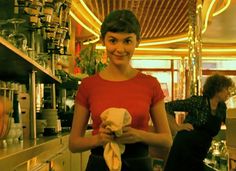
pixel 222 9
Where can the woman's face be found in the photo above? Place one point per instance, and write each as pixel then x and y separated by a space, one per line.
pixel 224 94
pixel 120 47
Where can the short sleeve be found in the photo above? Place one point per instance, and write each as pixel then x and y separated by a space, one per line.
pixel 158 94
pixel 82 94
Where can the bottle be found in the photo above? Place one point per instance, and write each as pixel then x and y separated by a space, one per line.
pixel 223 157
pixel 17 117
pixel 16 108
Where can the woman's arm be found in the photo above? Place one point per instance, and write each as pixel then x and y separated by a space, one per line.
pixel 161 127
pixel 161 135
pixel 174 127
pixel 185 105
pixel 77 141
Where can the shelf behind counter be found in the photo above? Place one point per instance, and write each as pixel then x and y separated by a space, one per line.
pixel 16 66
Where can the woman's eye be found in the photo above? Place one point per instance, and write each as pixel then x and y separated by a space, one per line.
pixel 112 41
pixel 128 41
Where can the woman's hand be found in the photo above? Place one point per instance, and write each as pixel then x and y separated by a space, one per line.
pixel 129 136
pixel 104 135
pixel 185 126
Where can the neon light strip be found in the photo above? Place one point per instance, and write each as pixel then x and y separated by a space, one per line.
pixel 90 12
pixel 164 42
pixel 82 24
pixel 92 41
pixel 179 50
pixel 207 16
pixel 152 57
pixel 222 9
pixel 161 57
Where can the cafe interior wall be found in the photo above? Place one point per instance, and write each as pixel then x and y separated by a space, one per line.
pixel 164 75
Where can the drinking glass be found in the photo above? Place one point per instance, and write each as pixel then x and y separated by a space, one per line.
pixel 19 40
pixel 2 30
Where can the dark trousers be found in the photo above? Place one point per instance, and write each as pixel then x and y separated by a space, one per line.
pixel 135 158
pixel 97 163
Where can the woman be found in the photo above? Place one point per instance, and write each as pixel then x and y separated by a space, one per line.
pixel 120 86
pixel 203 121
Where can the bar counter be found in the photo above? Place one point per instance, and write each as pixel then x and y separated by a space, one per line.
pixel 232 157
pixel 44 148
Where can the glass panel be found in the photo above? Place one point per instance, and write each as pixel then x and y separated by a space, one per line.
pixel 165 80
pixel 140 63
pixel 219 64
pixel 176 64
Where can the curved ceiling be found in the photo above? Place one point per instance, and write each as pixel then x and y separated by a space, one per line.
pixel 163 20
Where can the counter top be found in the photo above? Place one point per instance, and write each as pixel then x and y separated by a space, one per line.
pixel 16 154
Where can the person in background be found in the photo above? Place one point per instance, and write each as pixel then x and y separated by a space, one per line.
pixel 120 86
pixel 205 115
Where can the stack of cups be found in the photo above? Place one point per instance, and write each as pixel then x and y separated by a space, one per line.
pixel 40 125
pixel 52 118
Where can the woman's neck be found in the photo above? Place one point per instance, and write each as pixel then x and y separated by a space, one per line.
pixel 118 74
pixel 214 103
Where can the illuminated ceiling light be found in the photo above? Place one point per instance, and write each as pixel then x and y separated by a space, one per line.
pixel 91 41
pixel 180 49
pixel 90 12
pixel 163 49
pixel 207 15
pixel 222 9
pixel 220 50
pixel 161 57
pixel 218 58
pixel 155 57
pixel 153 49
pixel 164 42
pixel 82 24
pixel 199 6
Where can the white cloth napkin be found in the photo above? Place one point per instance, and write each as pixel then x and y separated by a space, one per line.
pixel 116 119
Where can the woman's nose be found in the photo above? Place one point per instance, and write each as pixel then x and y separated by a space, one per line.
pixel 120 47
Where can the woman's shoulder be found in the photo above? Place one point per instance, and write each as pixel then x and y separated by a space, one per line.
pixel 223 105
pixel 146 77
pixel 196 100
pixel 91 79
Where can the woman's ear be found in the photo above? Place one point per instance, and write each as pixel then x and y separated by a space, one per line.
pixel 137 44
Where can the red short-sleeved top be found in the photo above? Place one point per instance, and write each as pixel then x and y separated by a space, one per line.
pixel 137 95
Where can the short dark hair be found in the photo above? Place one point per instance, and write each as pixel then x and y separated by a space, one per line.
pixel 216 83
pixel 121 21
